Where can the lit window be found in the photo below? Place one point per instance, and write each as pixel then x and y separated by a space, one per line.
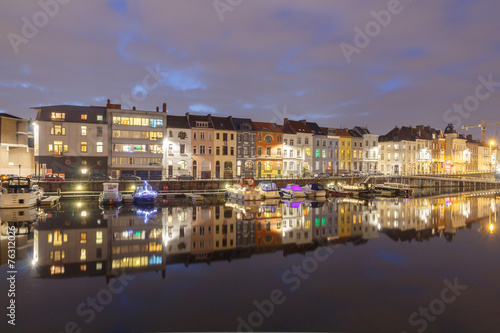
pixel 83 147
pixel 83 254
pixel 83 238
pixel 83 117
pixel 100 117
pixel 268 166
pixel 83 130
pixel 98 237
pixel 51 148
pixel 99 147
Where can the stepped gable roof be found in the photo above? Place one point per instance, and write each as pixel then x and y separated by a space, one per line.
pixel 72 113
pixel 177 122
pixel 222 123
pixel 267 127
pixel 238 122
pixel 314 128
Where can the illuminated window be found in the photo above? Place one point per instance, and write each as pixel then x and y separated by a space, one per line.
pixel 57 115
pixel 98 266
pixel 83 238
pixel 83 130
pixel 83 117
pixel 83 147
pixel 98 237
pixel 317 152
pixel 100 117
pixel 83 254
pixel 57 238
pixel 51 148
pixel 268 166
pixel 99 147
pixel 50 238
pixel 278 152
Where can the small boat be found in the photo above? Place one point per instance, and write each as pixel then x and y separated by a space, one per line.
pixel 314 190
pixel 144 194
pixel 268 190
pixel 245 190
pixel 358 190
pixel 110 194
pixel 17 192
pixel 292 191
pixel 393 190
pixel 337 191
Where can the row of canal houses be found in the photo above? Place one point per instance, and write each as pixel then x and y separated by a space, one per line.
pixel 99 243
pixel 75 140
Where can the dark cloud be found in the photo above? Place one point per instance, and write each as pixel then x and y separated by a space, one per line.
pixel 264 55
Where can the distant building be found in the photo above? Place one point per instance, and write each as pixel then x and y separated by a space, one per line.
pixel 178 146
pixel 320 149
pixel 246 141
pixel 16 145
pixel 225 147
pixel 202 143
pixel 269 149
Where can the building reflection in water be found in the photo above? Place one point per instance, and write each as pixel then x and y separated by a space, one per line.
pixel 76 241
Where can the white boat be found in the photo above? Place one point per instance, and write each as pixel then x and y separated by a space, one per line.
pixel 17 193
pixel 314 190
pixel 110 194
pixel 292 191
pixel 393 189
pixel 144 194
pixel 245 190
pixel 268 190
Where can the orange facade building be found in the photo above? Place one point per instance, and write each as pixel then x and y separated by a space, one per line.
pixel 269 146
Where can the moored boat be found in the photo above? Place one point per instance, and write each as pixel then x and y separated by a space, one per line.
pixel 292 191
pixel 144 194
pixel 393 190
pixel 17 192
pixel 314 190
pixel 268 190
pixel 245 190
pixel 110 194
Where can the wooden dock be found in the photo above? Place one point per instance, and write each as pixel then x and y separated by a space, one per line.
pixel 50 201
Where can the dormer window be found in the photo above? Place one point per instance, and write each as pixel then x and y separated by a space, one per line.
pixel 83 117
pixel 201 124
pixel 57 115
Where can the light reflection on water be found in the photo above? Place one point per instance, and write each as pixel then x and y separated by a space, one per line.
pixel 390 257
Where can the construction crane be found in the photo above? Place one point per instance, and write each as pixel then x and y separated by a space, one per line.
pixel 483 129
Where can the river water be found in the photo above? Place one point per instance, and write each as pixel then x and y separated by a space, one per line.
pixel 389 265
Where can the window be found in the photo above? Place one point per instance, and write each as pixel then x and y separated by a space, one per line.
pixel 248 165
pixel 259 151
pixel 182 148
pixel 210 150
pixel 317 152
pixel 278 151
pixel 57 130
pixel 170 134
pixel 232 151
pixel 99 131
pixel 194 135
pixel 308 152
pixel 83 130
pixel 269 139
pixel 83 238
pixel 98 237
pixel 182 165
pixel 182 135
pixel 83 147
pixel 324 153
pixel 100 117
pixel 202 135
pixel 83 254
pixel 232 136
pixel 202 150
pixel 194 150
pixel 268 166
pixel 57 115
pixel 306 141
pixel 83 117
pixel 285 141
pixel 268 151
pixel 99 147
pixel 217 150
pixel 285 153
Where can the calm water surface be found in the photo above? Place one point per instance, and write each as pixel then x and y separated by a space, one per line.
pixel 425 264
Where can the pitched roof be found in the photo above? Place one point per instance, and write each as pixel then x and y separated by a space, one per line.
pixel 177 122
pixel 192 119
pixel 314 128
pixel 267 127
pixel 361 130
pixel 355 134
pixel 222 123
pixel 7 115
pixel 72 113
pixel 399 134
pixel 296 126
pixel 341 132
pixel 238 122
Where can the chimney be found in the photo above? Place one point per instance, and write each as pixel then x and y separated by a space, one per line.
pixel 164 107
pixel 133 108
pixel 108 104
pixel 157 109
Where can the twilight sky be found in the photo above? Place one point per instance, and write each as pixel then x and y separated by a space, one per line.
pixel 265 59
